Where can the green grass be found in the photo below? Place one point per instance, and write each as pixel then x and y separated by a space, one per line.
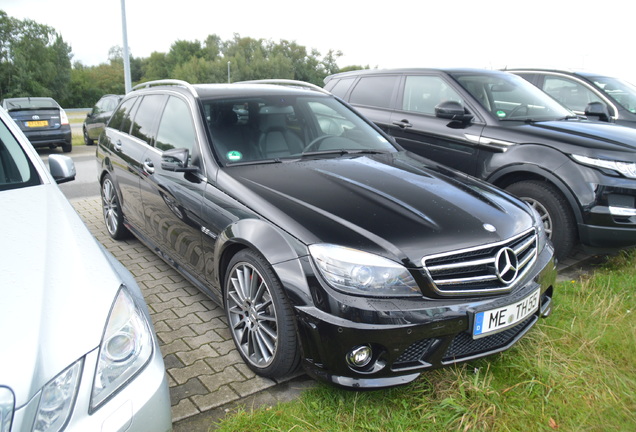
pixel 575 371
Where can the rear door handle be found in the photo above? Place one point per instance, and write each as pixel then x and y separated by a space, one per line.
pixel 404 124
pixel 149 167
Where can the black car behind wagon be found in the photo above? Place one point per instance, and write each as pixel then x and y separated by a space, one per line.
pixel 579 175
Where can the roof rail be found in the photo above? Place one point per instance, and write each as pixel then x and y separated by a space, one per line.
pixel 167 82
pixel 287 82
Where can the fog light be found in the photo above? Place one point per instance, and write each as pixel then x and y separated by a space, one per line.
pixel 360 356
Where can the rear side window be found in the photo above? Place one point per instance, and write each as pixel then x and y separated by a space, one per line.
pixel 176 129
pixel 121 118
pixel 143 126
pixel 341 87
pixel 375 91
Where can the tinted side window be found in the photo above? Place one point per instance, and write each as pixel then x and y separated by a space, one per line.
pixel 374 91
pixel 423 93
pixel 121 118
pixel 341 87
pixel 146 117
pixel 570 93
pixel 176 129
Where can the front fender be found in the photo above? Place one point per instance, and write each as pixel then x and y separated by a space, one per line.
pixel 281 250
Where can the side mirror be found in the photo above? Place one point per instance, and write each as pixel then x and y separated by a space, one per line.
pixel 598 109
pixel 176 160
pixel 62 168
pixel 452 110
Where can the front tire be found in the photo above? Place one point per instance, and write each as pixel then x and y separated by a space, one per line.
pixel 113 215
pixel 87 139
pixel 259 316
pixel 554 210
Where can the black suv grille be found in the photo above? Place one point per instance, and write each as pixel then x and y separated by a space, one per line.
pixel 488 269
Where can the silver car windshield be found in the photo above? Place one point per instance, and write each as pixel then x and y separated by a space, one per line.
pixel 287 127
pixel 621 91
pixel 511 98
pixel 16 170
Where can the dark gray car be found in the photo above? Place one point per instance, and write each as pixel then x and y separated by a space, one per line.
pixel 42 120
pixel 96 120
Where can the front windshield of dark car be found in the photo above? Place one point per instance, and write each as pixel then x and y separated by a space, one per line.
pixel 509 97
pixel 286 127
pixel 623 92
pixel 16 170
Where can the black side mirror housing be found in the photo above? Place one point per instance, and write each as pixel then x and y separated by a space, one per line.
pixel 452 110
pixel 598 109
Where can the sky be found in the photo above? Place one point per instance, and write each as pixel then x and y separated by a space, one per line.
pixel 584 35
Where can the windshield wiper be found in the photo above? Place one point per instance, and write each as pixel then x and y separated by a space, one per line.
pixel 341 152
pixel 254 162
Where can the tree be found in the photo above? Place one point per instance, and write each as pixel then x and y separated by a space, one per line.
pixel 35 60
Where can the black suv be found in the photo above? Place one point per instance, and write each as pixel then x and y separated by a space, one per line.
pixel 596 96
pixel 580 176
pixel 325 243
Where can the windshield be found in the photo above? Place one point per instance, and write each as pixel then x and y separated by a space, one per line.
pixel 16 170
pixel 283 127
pixel 621 91
pixel 29 103
pixel 509 97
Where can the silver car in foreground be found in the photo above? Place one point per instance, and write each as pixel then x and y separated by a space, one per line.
pixel 78 348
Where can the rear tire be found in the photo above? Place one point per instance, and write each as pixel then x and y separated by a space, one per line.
pixel 259 316
pixel 554 210
pixel 113 215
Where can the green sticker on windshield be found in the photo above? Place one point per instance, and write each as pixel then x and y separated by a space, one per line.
pixel 234 155
pixel 501 114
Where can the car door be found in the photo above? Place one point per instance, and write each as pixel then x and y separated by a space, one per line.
pixel 172 200
pixel 373 96
pixel 125 154
pixel 416 127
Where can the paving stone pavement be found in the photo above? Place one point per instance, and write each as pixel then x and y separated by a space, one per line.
pixel 205 372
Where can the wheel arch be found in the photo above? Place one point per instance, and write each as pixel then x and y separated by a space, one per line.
pixel 279 249
pixel 517 173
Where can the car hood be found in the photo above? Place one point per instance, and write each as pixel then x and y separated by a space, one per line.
pixel 572 136
pixel 395 205
pixel 56 296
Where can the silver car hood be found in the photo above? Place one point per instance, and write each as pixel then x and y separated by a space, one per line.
pixel 55 295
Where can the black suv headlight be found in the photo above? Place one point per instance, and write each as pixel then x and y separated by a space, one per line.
pixel 362 273
pixel 628 169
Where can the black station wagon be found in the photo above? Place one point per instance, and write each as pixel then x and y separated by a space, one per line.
pixel 326 243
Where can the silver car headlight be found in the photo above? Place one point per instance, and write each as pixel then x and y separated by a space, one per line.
pixel 57 399
pixel 125 349
pixel 362 273
pixel 628 169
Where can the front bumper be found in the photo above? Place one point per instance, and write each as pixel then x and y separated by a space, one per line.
pixel 409 336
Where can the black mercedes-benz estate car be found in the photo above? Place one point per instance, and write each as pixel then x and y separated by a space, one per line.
pixel 326 243
pixel 579 175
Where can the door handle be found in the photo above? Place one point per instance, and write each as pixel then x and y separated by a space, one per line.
pixel 149 167
pixel 404 124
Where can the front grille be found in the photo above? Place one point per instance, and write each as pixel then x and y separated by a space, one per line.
pixel 464 345
pixel 488 269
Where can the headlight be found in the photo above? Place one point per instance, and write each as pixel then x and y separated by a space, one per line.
pixel 542 237
pixel 57 399
pixel 362 273
pixel 125 348
pixel 628 169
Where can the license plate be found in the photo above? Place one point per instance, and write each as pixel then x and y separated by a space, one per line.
pixel 38 123
pixel 494 320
